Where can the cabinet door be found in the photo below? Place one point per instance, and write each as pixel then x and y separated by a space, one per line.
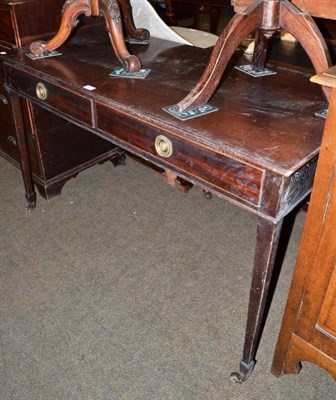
pixel 308 331
pixel 317 315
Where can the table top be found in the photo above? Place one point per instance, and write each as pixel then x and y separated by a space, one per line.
pixel 269 121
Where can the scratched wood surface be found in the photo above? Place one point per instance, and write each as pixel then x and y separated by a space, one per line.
pixel 269 120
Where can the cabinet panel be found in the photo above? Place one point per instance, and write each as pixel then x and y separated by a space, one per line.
pixel 327 319
pixel 308 331
pixel 7 35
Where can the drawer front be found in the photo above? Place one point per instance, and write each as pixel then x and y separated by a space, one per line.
pixel 53 96
pixel 216 170
pixel 8 140
pixel 5 108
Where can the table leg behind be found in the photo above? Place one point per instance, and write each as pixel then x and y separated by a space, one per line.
pixel 268 235
pixel 23 148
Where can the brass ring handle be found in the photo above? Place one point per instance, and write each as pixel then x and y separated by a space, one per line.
pixel 163 146
pixel 41 91
pixel 11 140
pixel 3 99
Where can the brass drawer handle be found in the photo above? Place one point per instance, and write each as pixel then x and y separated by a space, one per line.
pixel 41 91
pixel 3 99
pixel 11 140
pixel 163 146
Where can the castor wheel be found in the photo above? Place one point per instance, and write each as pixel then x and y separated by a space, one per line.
pixel 245 370
pixel 237 377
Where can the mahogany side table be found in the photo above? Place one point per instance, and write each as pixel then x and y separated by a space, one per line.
pixel 258 151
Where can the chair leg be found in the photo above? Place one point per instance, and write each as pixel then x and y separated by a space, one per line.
pixel 262 44
pixel 111 12
pixel 240 26
pixel 140 34
pixel 72 9
pixel 304 29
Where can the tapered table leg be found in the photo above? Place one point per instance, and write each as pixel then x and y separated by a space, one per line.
pixel 268 234
pixel 23 148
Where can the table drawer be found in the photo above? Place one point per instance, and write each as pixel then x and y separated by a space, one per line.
pixel 53 96
pixel 223 173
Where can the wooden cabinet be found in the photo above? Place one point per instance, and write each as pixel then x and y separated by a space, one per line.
pixel 308 331
pixel 57 150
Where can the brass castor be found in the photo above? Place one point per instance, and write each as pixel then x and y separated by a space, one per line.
pixel 237 377
pixel 245 371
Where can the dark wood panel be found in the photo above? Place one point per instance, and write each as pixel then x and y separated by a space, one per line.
pixel 7 34
pixel 53 133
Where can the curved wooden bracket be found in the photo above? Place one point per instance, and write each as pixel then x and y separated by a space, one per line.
pixel 267 16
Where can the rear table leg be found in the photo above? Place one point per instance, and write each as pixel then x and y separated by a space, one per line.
pixel 24 155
